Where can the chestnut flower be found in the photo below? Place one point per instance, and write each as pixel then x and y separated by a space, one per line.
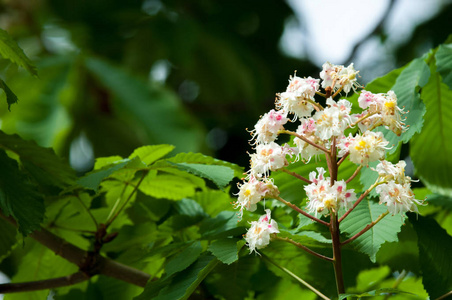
pixel 258 236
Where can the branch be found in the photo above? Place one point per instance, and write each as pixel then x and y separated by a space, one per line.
pixel 304 139
pixel 354 174
pixel 89 263
pixel 44 284
pixel 343 158
pixel 296 208
pixel 369 226
pixel 296 175
pixel 286 239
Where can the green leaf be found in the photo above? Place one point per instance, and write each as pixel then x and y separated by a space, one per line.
pixel 42 163
pixel 198 158
pixel 434 162
pixel 10 50
pixel 443 58
pixel 220 175
pixel 93 179
pixel 149 154
pixel 434 254
pixel 307 238
pixel 384 231
pixel 225 250
pixel 167 186
pixel 374 293
pixel 183 259
pixel 7 238
pixel 183 284
pixel 11 98
pixel 105 161
pixel 18 197
pixel 159 110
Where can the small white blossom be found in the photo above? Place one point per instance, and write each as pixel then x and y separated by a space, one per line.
pixel 388 171
pixel 258 236
pixel 364 148
pixel 253 191
pixel 269 157
pixel 333 120
pixel 297 96
pixel 307 129
pixel 344 77
pixel 266 129
pixel 323 198
pixel 397 197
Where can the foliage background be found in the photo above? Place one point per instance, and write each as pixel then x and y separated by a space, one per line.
pixel 102 88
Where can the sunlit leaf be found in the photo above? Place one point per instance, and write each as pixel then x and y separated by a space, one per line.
pixel 10 50
pixel 220 175
pixel 431 150
pixel 149 154
pixel 167 186
pixel 384 231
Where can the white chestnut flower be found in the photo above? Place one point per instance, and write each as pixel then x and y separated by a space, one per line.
pixel 365 148
pixel 259 234
pixel 399 198
pixel 266 129
pixel 269 157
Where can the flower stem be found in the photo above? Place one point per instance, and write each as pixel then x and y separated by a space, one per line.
pixel 304 139
pixel 296 208
pixel 354 174
pixel 343 158
pixel 296 278
pixel 337 255
pixel 369 226
pixel 286 239
pixel 296 175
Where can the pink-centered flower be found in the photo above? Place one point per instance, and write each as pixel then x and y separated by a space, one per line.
pixel 266 129
pixel 333 120
pixel 388 171
pixel 307 129
pixel 269 157
pixel 341 76
pixel 324 198
pixel 399 198
pixel 259 234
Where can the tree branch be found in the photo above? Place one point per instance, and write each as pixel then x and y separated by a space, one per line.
pixel 44 284
pixel 90 263
pixel 369 226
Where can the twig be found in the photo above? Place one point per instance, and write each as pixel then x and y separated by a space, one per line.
pixel 286 239
pixel 44 284
pixel 343 158
pixel 444 296
pixel 354 174
pixel 87 210
pixel 369 226
pixel 317 292
pixel 296 208
pixel 296 175
pixel 304 139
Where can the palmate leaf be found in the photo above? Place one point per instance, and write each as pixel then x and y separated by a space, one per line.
pixel 444 63
pixel 18 197
pixel 220 175
pixel 431 150
pixel 10 50
pixel 384 231
pixel 11 98
pixel 183 284
pixel 167 186
pixel 434 254
pixel 183 259
pixel 149 154
pixel 225 250
pixel 41 163
pixel 198 158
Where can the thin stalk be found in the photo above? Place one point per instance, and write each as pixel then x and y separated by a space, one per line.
pixel 313 289
pixel 304 139
pixel 117 201
pixel 296 208
pixel 286 239
pixel 87 210
pixel 444 296
pixel 321 94
pixel 354 174
pixel 337 92
pixel 337 256
pixel 296 175
pixel 361 119
pixel 397 282
pixel 369 226
pixel 127 200
pixel 363 195
pixel 316 105
pixel 343 158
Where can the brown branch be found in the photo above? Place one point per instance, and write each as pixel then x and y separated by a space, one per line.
pixel 286 239
pixel 296 208
pixel 354 174
pixel 90 263
pixel 343 158
pixel 296 175
pixel 44 284
pixel 368 226
pixel 304 139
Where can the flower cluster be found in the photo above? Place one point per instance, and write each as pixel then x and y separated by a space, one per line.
pixel 324 130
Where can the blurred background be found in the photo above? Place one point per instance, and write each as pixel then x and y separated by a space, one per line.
pixel 115 75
